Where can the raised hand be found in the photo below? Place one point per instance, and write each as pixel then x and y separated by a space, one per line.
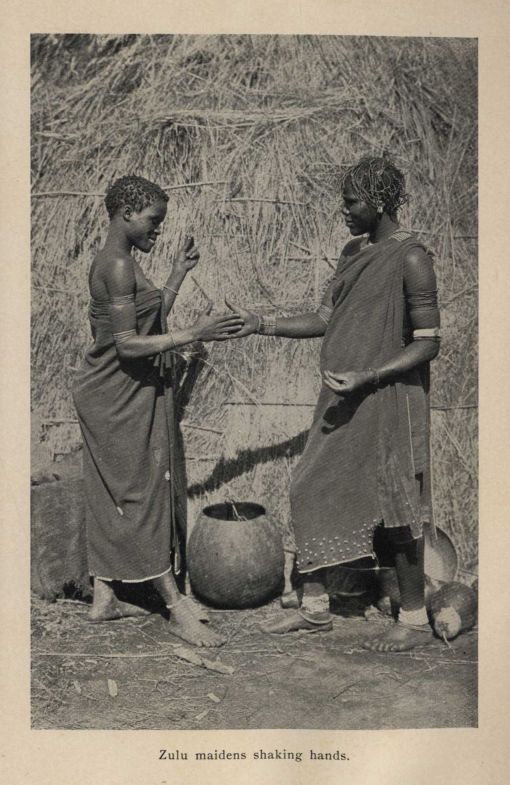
pixel 250 319
pixel 186 257
pixel 216 328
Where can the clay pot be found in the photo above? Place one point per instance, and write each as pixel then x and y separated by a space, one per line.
pixel 235 555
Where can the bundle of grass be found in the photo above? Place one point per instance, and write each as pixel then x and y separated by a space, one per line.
pixel 250 135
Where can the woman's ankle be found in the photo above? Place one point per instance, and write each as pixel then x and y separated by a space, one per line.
pixel 417 617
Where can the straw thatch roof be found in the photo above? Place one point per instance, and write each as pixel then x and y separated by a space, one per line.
pixel 250 133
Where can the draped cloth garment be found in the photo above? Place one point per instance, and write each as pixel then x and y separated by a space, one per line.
pixel 135 490
pixel 364 453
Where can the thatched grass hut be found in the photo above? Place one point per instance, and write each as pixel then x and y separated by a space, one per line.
pixel 250 134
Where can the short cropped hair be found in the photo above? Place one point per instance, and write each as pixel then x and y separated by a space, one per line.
pixel 378 182
pixel 137 192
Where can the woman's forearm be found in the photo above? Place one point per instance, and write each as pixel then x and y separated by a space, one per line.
pixel 136 346
pixel 171 289
pixel 306 325
pixel 410 357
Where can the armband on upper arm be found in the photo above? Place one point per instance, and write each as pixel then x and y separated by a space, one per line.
pixel 427 334
pixel 123 317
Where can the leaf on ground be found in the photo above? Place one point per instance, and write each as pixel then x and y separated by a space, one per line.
pixel 112 688
pixel 197 659
pixel 220 667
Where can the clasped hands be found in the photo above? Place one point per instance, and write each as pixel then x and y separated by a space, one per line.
pixel 236 324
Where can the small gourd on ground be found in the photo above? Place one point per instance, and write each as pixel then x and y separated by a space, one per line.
pixel 453 609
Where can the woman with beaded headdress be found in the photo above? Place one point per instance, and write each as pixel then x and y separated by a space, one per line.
pixel 365 470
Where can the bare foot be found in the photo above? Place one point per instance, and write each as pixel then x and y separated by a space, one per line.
pixel 197 609
pixel 296 621
pixel 115 609
pixel 373 613
pixel 400 637
pixel 384 605
pixel 185 624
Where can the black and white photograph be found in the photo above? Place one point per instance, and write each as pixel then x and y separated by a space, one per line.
pixel 254 382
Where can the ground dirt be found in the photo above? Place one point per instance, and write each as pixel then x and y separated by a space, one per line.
pixel 127 674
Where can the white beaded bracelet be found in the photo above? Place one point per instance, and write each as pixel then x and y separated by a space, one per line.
pixel 267 325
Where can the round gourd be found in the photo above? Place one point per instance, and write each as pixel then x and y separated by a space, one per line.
pixel 235 555
pixel 453 610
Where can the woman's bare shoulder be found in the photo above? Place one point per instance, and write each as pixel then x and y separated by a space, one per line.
pixel 418 268
pixel 111 274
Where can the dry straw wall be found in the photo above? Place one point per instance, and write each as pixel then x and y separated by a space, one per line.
pixel 250 134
